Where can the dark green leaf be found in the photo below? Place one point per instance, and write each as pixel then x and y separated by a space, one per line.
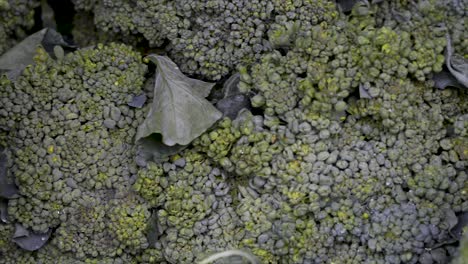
pixel 153 230
pixel 138 101
pixel 363 92
pixel 457 230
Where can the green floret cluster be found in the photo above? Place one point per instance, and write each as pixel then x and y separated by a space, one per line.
pixel 149 182
pixel 207 38
pixel 129 222
pixel 346 149
pixel 74 122
pixel 317 73
pixel 85 33
pixel 70 130
pixel 243 141
pixel 218 142
pixel 194 212
pixel 16 18
pixel 411 45
pixel 210 38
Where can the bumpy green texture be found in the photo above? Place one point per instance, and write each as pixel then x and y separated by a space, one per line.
pixel 85 33
pixel 194 211
pixel 70 132
pixel 16 18
pixel 207 38
pixel 348 153
pixel 210 38
pixel 375 171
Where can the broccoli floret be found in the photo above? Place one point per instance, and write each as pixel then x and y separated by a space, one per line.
pixel 73 149
pixel 150 184
pixel 128 221
pixel 217 143
pixel 397 44
pixel 86 34
pixel 194 216
pixel 207 38
pixel 16 18
pixel 212 38
pixel 6 245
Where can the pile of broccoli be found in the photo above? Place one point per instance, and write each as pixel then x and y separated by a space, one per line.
pixel 348 151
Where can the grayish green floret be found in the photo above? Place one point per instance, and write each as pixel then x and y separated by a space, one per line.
pixel 70 133
pixel 207 38
pixel 16 18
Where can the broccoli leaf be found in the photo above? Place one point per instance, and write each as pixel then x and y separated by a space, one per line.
pixel 138 101
pixel 7 188
pixel 179 111
pixel 457 230
pixel 444 79
pixel 152 149
pixel 230 87
pixel 234 101
pixel 3 211
pixel 232 105
pixel 153 230
pixel 22 54
pixel 230 253
pixel 48 15
pixel 28 240
pixel 363 92
pixel 457 65
pixel 346 5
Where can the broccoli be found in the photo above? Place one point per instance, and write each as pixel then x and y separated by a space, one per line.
pixel 70 133
pixel 86 34
pixel 211 38
pixel 16 18
pixel 347 153
pixel 193 201
pixel 207 38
